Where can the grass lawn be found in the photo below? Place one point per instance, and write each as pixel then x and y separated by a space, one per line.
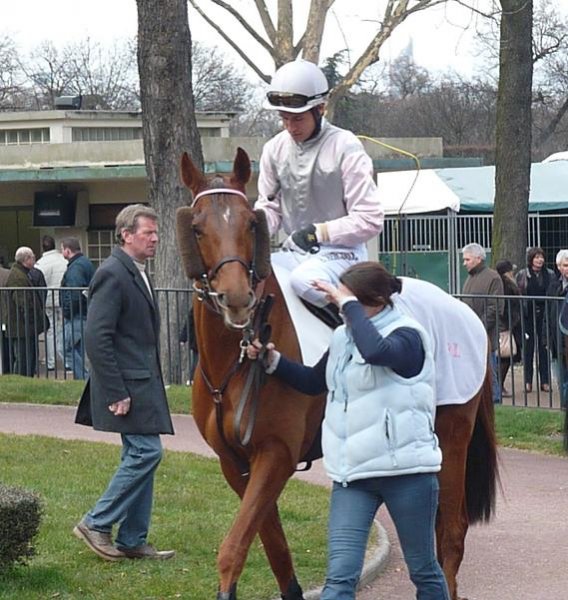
pixel 193 510
pixel 14 388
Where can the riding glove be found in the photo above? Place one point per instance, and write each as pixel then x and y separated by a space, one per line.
pixel 303 241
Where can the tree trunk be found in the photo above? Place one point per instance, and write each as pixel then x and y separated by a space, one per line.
pixel 513 132
pixel 169 128
pixel 168 119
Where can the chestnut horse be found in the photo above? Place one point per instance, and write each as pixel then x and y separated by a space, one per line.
pixel 261 433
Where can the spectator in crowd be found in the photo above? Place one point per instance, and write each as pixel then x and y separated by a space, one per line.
pixel 559 288
pixel 511 315
pixel 80 271
pixel 379 374
pixel 4 340
pixel 53 266
pixel 483 281
pixel 535 280
pixel 25 312
pixel 316 183
pixel 125 392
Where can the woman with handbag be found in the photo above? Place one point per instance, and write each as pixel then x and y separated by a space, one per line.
pixel 509 321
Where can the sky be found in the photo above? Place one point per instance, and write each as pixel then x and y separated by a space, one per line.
pixel 441 37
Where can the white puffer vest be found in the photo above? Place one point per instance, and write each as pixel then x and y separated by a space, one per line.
pixel 378 423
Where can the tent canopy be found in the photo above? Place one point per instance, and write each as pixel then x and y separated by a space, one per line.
pixel 468 189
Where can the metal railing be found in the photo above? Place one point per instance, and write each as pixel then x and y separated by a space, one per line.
pixel 43 343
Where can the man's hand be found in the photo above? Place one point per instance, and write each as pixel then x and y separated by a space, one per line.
pixel 303 241
pixel 120 408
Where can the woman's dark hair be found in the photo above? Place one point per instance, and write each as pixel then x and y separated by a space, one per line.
pixel 371 283
pixel 532 253
pixel 504 266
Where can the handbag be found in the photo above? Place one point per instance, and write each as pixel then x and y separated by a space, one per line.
pixel 507 345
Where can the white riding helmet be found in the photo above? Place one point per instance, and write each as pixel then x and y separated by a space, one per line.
pixel 297 87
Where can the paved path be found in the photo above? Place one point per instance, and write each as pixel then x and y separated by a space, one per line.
pixel 521 555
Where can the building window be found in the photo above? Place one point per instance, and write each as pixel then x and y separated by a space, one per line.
pixel 105 134
pixel 100 244
pixel 15 137
pixel 209 131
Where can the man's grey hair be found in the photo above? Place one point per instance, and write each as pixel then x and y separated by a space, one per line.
pixel 561 256
pixel 22 254
pixel 128 217
pixel 475 250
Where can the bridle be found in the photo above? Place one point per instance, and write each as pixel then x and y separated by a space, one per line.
pixel 203 287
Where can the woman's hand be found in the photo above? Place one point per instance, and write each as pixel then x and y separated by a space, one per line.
pixel 254 348
pixel 332 293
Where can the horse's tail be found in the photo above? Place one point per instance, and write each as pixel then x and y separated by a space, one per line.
pixel 482 470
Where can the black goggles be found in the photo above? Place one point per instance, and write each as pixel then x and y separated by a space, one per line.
pixel 289 100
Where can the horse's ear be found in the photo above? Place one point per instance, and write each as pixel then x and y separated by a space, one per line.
pixel 262 246
pixel 241 168
pixel 191 176
pixel 187 244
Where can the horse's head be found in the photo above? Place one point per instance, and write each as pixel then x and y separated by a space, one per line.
pixel 224 244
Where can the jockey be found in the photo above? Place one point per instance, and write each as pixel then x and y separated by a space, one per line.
pixel 316 183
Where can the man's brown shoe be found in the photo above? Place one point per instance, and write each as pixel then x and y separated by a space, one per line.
pixel 100 543
pixel 147 551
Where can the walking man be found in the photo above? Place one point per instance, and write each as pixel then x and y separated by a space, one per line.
pixel 125 392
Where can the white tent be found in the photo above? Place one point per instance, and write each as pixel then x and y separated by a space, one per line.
pixel 428 193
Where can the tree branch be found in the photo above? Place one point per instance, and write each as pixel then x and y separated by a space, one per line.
pixel 236 48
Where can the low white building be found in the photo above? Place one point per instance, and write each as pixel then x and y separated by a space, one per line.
pixel 69 172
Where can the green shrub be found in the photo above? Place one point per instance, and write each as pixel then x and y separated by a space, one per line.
pixel 20 516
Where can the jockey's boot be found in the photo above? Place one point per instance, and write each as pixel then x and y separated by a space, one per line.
pixel 328 314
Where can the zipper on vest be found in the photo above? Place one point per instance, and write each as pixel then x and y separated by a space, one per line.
pixel 390 437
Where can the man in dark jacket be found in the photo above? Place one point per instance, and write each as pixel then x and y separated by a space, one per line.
pixel 80 271
pixel 125 392
pixel 483 281
pixel 25 312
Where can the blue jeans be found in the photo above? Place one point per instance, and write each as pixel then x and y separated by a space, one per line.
pixel 74 348
pixel 412 501
pixel 128 499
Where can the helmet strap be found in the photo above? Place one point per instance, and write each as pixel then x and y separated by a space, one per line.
pixel 317 113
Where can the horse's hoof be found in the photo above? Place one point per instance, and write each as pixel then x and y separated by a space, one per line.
pixel 230 595
pixel 293 591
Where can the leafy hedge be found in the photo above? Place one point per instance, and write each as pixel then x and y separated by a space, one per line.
pixel 20 517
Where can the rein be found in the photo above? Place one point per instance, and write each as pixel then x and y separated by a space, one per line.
pixel 250 393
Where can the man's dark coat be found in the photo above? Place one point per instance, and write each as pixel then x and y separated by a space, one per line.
pixel 122 342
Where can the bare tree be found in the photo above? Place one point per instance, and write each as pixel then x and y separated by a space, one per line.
pixel 168 118
pixel 9 73
pixel 278 37
pixel 106 74
pixel 47 73
pixel 217 85
pixel 513 131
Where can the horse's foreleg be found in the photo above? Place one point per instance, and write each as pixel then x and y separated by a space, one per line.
pixel 279 556
pixel 454 432
pixel 270 470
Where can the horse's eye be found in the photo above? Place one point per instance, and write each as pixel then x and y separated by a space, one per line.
pixel 197 231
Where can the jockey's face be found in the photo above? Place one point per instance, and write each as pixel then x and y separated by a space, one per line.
pixel 300 126
pixel 470 261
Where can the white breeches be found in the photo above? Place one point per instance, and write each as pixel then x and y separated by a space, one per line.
pixel 326 265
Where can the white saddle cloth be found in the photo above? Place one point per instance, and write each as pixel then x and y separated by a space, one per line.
pixel 458 336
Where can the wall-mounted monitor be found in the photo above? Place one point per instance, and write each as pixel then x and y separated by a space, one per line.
pixel 54 209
